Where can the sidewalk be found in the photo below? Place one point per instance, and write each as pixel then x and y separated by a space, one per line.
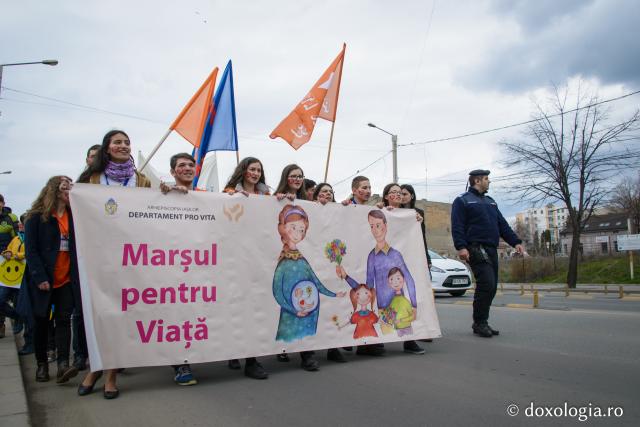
pixel 13 399
pixel 628 289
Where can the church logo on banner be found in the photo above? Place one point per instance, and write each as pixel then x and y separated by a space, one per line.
pixel 111 207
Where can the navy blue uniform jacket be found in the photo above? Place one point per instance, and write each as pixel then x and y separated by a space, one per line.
pixel 475 218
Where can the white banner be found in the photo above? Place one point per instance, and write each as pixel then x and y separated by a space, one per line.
pixel 170 279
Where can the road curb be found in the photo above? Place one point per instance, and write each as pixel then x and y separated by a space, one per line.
pixel 13 398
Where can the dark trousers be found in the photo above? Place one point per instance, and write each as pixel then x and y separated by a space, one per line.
pixel 486 273
pixel 62 299
pixel 51 335
pixel 77 327
pixel 8 295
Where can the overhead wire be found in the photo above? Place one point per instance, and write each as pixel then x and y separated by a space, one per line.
pixel 73 104
pixel 362 169
pixel 99 110
pixel 431 141
pixel 81 107
pixel 507 127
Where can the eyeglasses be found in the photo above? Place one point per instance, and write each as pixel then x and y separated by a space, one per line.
pixel 395 193
pixel 296 177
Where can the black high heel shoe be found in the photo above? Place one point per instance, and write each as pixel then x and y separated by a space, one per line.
pixel 84 390
pixel 110 394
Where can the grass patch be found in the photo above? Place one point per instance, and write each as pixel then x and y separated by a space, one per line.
pixel 607 270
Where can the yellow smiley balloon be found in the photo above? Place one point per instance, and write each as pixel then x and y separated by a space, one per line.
pixel 11 272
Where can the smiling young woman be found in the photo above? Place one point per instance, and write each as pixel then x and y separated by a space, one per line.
pixel 248 178
pixel 113 165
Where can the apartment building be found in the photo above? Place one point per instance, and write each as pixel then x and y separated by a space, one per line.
pixel 538 219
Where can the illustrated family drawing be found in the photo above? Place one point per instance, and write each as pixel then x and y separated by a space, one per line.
pixel 297 289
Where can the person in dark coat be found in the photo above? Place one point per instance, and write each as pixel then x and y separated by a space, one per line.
pixel 409 202
pixel 52 274
pixel 476 228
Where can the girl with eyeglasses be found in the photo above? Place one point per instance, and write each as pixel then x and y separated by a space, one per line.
pixel 392 199
pixel 291 184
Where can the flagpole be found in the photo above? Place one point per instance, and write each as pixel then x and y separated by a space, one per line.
pixel 166 135
pixel 333 123
pixel 237 157
pixel 326 169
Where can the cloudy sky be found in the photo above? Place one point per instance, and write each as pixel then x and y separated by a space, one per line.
pixel 422 69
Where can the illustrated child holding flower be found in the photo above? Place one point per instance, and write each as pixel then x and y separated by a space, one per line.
pixel 361 296
pixel 363 318
pixel 400 313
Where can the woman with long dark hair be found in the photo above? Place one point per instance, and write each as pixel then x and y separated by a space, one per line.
pixel 291 184
pixel 392 199
pixel 248 178
pixel 323 194
pixel 52 274
pixel 409 202
pixel 112 165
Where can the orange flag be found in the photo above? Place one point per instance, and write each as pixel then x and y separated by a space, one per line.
pixel 321 101
pixel 190 121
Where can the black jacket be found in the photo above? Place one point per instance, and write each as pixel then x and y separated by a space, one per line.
pixel 42 243
pixel 424 233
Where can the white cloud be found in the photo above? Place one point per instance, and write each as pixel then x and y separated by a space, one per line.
pixel 147 58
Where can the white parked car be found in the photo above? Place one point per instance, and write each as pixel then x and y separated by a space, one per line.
pixel 449 275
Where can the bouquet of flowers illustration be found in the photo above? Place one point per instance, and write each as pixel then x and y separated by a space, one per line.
pixel 335 250
pixel 388 315
pixel 335 320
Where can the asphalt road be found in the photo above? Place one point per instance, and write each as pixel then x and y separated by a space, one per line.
pixel 555 301
pixel 584 357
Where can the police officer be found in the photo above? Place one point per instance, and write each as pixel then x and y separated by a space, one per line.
pixel 476 228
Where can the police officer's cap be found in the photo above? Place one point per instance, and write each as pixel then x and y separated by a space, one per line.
pixel 479 172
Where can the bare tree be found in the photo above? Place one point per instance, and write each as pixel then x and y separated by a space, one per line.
pixel 521 230
pixel 626 197
pixel 568 154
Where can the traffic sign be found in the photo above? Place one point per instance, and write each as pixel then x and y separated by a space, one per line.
pixel 629 242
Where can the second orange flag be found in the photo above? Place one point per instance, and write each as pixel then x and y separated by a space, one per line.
pixel 321 101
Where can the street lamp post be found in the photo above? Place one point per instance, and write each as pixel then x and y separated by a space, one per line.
pixel 51 62
pixel 394 150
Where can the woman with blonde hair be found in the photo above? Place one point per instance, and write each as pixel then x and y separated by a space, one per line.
pixel 52 274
